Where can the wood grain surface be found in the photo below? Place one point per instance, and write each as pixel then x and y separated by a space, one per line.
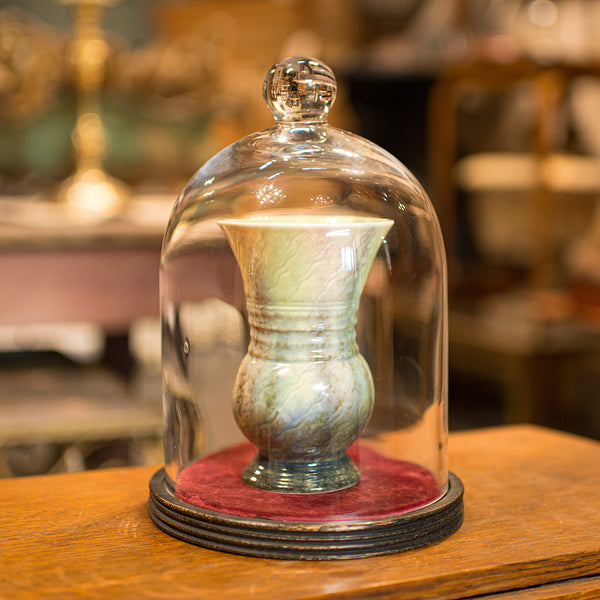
pixel 531 530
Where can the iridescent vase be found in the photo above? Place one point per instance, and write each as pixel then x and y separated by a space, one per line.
pixel 303 392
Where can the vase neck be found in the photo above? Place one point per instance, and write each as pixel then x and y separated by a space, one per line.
pixel 303 277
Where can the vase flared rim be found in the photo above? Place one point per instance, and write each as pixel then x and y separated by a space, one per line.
pixel 305 220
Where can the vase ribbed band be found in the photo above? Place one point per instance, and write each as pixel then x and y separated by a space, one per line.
pixel 302 332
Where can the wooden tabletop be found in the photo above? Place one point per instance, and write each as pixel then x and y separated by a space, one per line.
pixel 531 531
pixel 29 224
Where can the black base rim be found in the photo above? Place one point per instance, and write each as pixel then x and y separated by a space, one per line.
pixel 305 540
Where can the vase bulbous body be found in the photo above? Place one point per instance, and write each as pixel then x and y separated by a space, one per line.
pixel 303 393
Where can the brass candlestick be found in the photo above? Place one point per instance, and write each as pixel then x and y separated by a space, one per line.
pixel 90 190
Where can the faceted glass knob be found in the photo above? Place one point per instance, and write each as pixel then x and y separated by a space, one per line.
pixel 300 89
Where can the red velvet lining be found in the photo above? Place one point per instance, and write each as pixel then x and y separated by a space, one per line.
pixel 387 487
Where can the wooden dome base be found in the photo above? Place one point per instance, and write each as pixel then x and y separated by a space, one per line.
pixel 268 538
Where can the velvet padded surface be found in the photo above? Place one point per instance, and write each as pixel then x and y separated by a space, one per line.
pixel 387 487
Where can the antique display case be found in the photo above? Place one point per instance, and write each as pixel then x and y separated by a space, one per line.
pixel 304 343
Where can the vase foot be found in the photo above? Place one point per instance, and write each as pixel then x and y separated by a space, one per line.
pixel 301 478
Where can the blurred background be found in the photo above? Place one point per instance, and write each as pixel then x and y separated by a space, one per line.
pixel 108 107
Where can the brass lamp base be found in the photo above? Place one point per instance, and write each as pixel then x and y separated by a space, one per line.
pixel 93 194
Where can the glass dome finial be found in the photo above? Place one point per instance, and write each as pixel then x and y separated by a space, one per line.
pixel 300 89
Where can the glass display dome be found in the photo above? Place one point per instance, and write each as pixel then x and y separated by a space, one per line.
pixel 304 340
